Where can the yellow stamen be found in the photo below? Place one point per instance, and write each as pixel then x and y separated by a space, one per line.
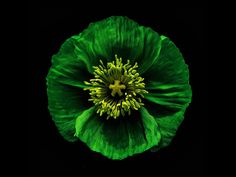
pixel 111 80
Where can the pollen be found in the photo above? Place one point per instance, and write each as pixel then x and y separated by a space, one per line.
pixel 117 89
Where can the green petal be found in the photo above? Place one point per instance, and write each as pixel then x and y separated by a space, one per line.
pixel 117 139
pixel 69 69
pixel 65 88
pixel 168 112
pixel 169 90
pixel 169 69
pixel 65 103
pixel 121 36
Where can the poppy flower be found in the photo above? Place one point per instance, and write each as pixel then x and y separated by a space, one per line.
pixel 119 87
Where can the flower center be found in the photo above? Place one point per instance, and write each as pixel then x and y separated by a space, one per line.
pixel 117 88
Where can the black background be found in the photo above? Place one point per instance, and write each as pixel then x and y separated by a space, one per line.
pixel 50 25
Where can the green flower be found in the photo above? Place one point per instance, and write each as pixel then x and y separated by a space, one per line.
pixel 119 87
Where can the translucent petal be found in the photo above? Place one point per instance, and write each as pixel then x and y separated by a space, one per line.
pixel 118 138
pixel 169 90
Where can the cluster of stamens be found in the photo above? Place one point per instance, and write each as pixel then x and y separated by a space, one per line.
pixel 117 88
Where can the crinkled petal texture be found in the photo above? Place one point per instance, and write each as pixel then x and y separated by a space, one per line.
pixel 65 85
pixel 119 138
pixel 169 90
pixel 121 36
pixel 160 63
